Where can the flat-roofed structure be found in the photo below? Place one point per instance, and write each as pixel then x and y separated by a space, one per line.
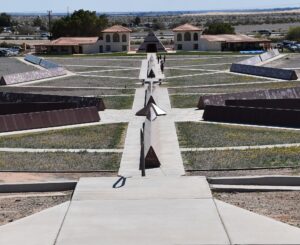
pixel 112 39
pixel 188 37
pixel 232 42
pixel 70 45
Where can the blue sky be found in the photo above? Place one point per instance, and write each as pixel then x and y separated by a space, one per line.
pixel 139 5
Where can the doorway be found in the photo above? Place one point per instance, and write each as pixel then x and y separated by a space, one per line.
pixel 151 48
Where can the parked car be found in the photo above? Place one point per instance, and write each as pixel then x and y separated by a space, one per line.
pixel 2 53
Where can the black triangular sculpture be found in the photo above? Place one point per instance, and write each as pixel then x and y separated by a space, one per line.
pixel 152 44
pixel 151 74
pixel 151 159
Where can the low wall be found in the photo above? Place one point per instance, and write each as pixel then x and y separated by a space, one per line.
pixel 31 76
pixel 292 104
pixel 264 71
pixel 18 108
pixel 9 97
pixel 255 116
pixel 219 99
pixel 47 119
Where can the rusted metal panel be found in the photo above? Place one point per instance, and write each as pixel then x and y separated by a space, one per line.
pixel 254 116
pixel 46 119
pixel 264 71
pixel 17 108
pixel 292 104
pixel 32 76
pixel 6 97
pixel 219 99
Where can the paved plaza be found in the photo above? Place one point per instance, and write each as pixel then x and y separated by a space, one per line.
pixel 167 206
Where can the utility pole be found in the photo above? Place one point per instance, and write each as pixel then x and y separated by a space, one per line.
pixel 49 21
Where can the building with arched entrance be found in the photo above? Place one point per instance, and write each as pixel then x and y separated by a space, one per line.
pixel 186 37
pixel 190 38
pixel 112 39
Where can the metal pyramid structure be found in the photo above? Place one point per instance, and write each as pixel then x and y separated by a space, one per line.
pixel 152 44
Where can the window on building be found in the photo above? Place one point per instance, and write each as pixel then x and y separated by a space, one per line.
pixel 124 38
pixel 187 36
pixel 107 38
pixel 196 36
pixel 116 38
pixel 124 48
pixel 179 46
pixel 196 46
pixel 179 37
pixel 107 48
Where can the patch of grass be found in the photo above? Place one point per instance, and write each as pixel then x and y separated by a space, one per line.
pixel 68 91
pixel 90 81
pixel 108 136
pixel 59 161
pixel 118 102
pixel 184 101
pixel 219 78
pixel 234 88
pixel 181 72
pixel 193 134
pixel 233 159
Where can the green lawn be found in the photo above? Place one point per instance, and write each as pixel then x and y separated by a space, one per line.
pixel 118 102
pixel 193 135
pixel 108 136
pixel 235 159
pixel 208 79
pixel 184 101
pixel 233 88
pixel 59 161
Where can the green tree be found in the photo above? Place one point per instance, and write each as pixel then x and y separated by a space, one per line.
pixel 37 22
pixel 80 23
pixel 219 28
pixel 294 34
pixel 5 20
pixel 137 21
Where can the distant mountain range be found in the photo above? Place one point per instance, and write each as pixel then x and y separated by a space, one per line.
pixel 154 13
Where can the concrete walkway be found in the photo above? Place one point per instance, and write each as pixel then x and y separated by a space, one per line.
pixel 162 208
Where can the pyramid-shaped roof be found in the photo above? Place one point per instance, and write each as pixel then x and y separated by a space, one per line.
pixel 186 27
pixel 151 39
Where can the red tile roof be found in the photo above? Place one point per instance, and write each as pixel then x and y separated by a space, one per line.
pixel 116 28
pixel 73 41
pixel 232 38
pixel 186 27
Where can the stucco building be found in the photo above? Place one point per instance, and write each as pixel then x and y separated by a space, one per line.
pixel 190 38
pixel 112 39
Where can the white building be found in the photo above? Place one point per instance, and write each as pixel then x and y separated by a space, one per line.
pixel 116 39
pixel 189 38
pixel 186 37
pixel 112 39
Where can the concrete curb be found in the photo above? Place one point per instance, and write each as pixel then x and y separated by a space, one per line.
pixel 252 188
pixel 38 187
pixel 275 180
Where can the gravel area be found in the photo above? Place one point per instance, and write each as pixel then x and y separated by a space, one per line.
pixel 19 205
pixel 118 102
pixel 281 206
pixel 12 65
